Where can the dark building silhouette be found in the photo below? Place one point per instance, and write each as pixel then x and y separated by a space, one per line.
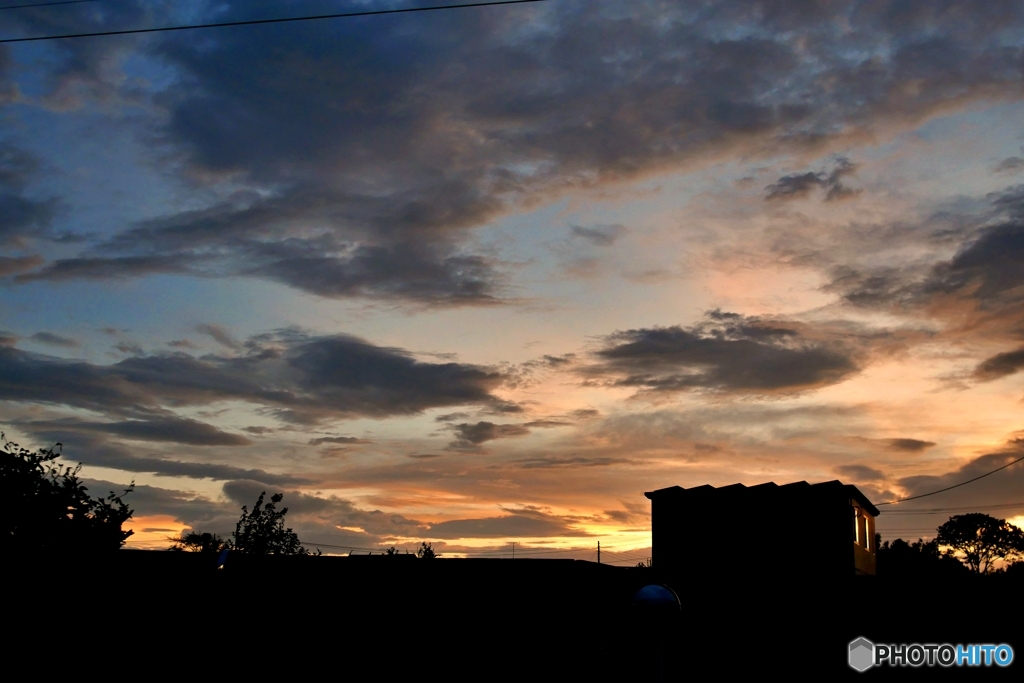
pixel 819 531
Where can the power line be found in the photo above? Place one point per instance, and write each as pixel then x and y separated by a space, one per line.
pixel 280 20
pixel 626 557
pixel 638 558
pixel 949 488
pixel 497 552
pixel 340 547
pixel 544 551
pixel 627 563
pixel 46 4
pixel 623 552
pixel 971 508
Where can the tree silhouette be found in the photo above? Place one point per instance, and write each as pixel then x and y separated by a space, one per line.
pixel 979 540
pixel 262 531
pixel 199 542
pixel 426 552
pixel 916 560
pixel 46 506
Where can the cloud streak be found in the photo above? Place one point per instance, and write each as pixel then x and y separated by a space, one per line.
pixel 800 186
pixel 440 125
pixel 91 446
pixel 1000 365
pixel 481 432
pixel 302 378
pixel 729 353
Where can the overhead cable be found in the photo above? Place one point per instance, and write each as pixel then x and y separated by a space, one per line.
pixel 966 508
pixel 278 20
pixel 949 488
pixel 46 4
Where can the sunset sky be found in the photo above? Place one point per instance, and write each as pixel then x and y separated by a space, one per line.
pixel 488 274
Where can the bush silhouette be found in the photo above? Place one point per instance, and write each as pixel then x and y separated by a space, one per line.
pixel 199 542
pixel 48 508
pixel 262 531
pixel 920 559
pixel 426 552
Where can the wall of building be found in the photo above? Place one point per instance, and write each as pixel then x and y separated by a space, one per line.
pixel 802 536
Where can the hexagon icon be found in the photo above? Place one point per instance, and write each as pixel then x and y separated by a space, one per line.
pixel 862 654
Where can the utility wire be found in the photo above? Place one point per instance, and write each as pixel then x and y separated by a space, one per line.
pixel 973 508
pixel 949 488
pixel 497 553
pixel 46 4
pixel 629 558
pixel 340 547
pixel 280 20
pixel 638 558
pixel 624 552
pixel 475 553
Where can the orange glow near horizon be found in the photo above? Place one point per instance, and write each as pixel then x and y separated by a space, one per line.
pixel 152 532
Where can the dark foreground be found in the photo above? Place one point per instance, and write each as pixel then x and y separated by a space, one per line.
pixel 397 618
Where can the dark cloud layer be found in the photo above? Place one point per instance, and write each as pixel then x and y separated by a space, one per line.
pixel 335 440
pixel 979 289
pixel 54 340
pixel 475 434
pixel 82 443
pixel 860 473
pixel 555 462
pixel 9 91
pixel 908 445
pixel 600 235
pixel 728 353
pixel 800 185
pixel 1010 165
pixel 988 268
pixel 1000 365
pixel 303 378
pixel 20 215
pixel 100 268
pixel 377 144
pixel 168 430
pixel 220 335
pixel 162 429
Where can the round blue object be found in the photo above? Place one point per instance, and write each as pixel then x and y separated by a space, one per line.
pixel 656 595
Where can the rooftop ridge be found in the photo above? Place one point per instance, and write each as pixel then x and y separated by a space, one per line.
pixel 769 489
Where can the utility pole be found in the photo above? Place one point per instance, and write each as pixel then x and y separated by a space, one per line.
pixel 513 550
pixel 599 552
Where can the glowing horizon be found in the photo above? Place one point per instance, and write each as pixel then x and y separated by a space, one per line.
pixel 487 277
